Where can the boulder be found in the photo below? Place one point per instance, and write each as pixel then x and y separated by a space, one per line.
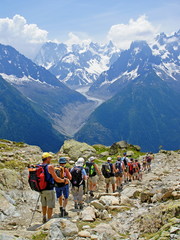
pixel 10 179
pixel 84 234
pixel 97 205
pixel 104 154
pixel 122 144
pixel 146 197
pixel 118 208
pixel 137 147
pixel 124 200
pixel 88 214
pixel 55 231
pixel 114 149
pixel 68 228
pixel 105 215
pixel 4 236
pixel 131 192
pixel 106 230
pixel 6 207
pixel 129 153
pixel 109 200
pixel 77 149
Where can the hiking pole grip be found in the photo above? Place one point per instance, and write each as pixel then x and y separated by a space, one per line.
pixel 34 210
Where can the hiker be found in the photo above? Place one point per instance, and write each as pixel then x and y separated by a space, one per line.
pixel 140 170
pixel 119 167
pixel 135 170
pixel 79 175
pixel 62 189
pixel 126 170
pixel 148 161
pixel 92 171
pixel 108 172
pixel 130 170
pixel 48 195
pixel 144 164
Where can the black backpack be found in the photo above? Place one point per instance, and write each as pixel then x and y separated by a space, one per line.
pixel 118 165
pixel 60 173
pixel 90 169
pixel 106 170
pixel 125 161
pixel 77 178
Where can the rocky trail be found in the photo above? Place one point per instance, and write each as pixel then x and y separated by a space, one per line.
pixel 147 209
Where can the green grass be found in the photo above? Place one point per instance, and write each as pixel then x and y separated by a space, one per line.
pixel 14 164
pixel 40 236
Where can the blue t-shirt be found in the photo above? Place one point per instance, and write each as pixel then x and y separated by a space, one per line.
pixel 49 178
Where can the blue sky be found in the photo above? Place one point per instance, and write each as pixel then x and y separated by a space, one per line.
pixel 91 18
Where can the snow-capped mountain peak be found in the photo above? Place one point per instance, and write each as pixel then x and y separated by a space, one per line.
pixel 78 64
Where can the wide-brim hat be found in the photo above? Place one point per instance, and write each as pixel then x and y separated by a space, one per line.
pixel 46 155
pixel 62 160
pixel 80 162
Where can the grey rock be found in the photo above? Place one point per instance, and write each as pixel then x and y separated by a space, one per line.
pixel 77 149
pixel 68 228
pixel 109 200
pixel 97 205
pixel 55 232
pixel 88 214
pixel 106 230
pixel 104 154
pixel 131 192
pixel 6 208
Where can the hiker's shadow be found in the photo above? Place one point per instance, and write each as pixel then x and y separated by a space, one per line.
pixel 34 227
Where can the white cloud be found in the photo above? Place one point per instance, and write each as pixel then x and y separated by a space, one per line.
pixel 74 39
pixel 26 38
pixel 123 34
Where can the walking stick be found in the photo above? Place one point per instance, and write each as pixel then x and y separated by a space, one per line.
pixel 34 210
pixel 87 191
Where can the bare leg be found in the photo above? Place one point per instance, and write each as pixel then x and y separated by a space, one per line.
pixel 49 212
pixel 60 201
pixel 113 187
pixel 65 203
pixel 107 187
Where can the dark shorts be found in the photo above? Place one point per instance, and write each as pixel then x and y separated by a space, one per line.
pixel 118 174
pixel 131 172
pixel 126 169
pixel 62 191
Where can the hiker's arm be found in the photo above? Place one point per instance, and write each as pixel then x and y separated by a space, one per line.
pixel 84 174
pixel 97 169
pixel 55 177
pixel 68 174
pixel 113 168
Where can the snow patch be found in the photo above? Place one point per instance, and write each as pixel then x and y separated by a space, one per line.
pixel 71 58
pixel 19 81
pixel 170 69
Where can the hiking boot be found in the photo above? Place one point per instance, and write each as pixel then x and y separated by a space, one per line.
pixel 81 206
pixel 64 213
pixel 44 219
pixel 61 212
pixel 91 193
pixel 75 205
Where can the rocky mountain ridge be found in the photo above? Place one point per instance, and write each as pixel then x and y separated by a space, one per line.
pixel 149 209
pixel 78 64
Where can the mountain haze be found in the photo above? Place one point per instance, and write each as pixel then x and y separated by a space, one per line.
pixel 21 122
pixel 55 99
pixel 145 112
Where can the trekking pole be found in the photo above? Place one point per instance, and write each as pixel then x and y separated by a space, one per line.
pixel 34 210
pixel 87 191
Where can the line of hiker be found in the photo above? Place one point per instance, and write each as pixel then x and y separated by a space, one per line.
pixel 80 179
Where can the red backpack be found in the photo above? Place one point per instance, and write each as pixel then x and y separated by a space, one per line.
pixel 37 177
